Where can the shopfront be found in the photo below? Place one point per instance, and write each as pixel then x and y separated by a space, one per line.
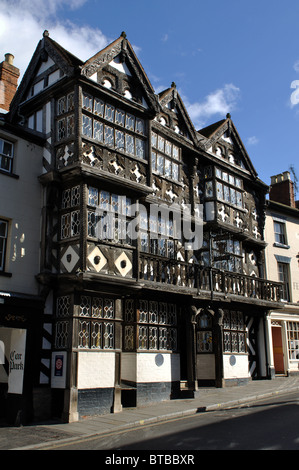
pixel 19 355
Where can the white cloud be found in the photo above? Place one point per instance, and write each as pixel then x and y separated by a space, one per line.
pixel 252 140
pixel 22 23
pixel 219 102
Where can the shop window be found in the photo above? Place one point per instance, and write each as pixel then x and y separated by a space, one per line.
pixel 293 340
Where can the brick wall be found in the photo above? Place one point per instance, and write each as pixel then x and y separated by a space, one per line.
pixel 9 75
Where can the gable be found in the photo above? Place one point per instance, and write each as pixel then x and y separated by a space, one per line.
pixel 223 141
pixel 117 67
pixel 49 63
pixel 174 115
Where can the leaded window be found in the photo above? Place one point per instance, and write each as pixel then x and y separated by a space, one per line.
pixel 159 232
pixel 63 305
pixel 108 216
pixel 96 328
pixel 234 332
pixel 70 220
pixel 113 127
pixel 155 323
pixel 62 334
pixel 65 125
pixel 164 157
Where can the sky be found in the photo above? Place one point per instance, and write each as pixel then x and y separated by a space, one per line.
pixel 234 57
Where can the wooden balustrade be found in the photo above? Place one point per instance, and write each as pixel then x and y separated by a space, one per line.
pixel 182 274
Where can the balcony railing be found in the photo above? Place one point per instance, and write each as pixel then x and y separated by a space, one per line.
pixel 182 274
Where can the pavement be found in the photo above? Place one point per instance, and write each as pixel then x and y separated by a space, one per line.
pixel 44 436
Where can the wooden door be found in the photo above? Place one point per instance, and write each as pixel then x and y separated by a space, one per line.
pixel 277 350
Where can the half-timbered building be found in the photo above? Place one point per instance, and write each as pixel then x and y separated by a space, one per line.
pixel 152 245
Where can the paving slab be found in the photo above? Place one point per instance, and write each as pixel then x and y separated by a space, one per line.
pixel 37 436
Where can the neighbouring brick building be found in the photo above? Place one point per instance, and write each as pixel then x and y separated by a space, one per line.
pixel 282 263
pixel 134 310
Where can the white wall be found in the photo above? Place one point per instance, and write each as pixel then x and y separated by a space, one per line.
pixel 235 366
pixel 150 367
pixel 20 204
pixel 96 369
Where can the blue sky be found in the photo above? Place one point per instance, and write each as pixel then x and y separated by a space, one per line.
pixel 234 56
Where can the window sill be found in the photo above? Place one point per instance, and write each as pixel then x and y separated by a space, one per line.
pixel 6 173
pixel 281 245
pixel 5 274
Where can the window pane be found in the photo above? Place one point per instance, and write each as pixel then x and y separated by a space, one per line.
pixel 167 167
pixel 154 158
pixel 130 122
pixel 161 144
pixel 140 148
pixel 154 139
pixel 119 140
pixel 87 102
pixel 175 152
pixel 160 164
pixel 109 136
pixel 139 126
pixel 119 117
pixel 130 144
pixel 86 124
pixel 109 112
pixel 99 107
pixel 168 148
pixel 98 131
pixel 93 196
pixel 175 171
pixel 219 187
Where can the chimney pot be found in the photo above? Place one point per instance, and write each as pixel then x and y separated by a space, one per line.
pixel 9 58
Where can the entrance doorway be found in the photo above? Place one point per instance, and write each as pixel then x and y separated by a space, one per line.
pixel 278 350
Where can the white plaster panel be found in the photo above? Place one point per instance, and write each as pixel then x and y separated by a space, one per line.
pixel 235 366
pixel 96 369
pixel 157 367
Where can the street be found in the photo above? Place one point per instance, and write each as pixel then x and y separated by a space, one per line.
pixel 268 424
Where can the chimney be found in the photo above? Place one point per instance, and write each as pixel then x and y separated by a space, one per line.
pixel 282 189
pixel 9 75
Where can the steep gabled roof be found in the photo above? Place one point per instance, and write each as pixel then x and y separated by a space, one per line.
pixel 46 48
pixel 209 130
pixel 225 133
pixel 121 48
pixel 171 102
